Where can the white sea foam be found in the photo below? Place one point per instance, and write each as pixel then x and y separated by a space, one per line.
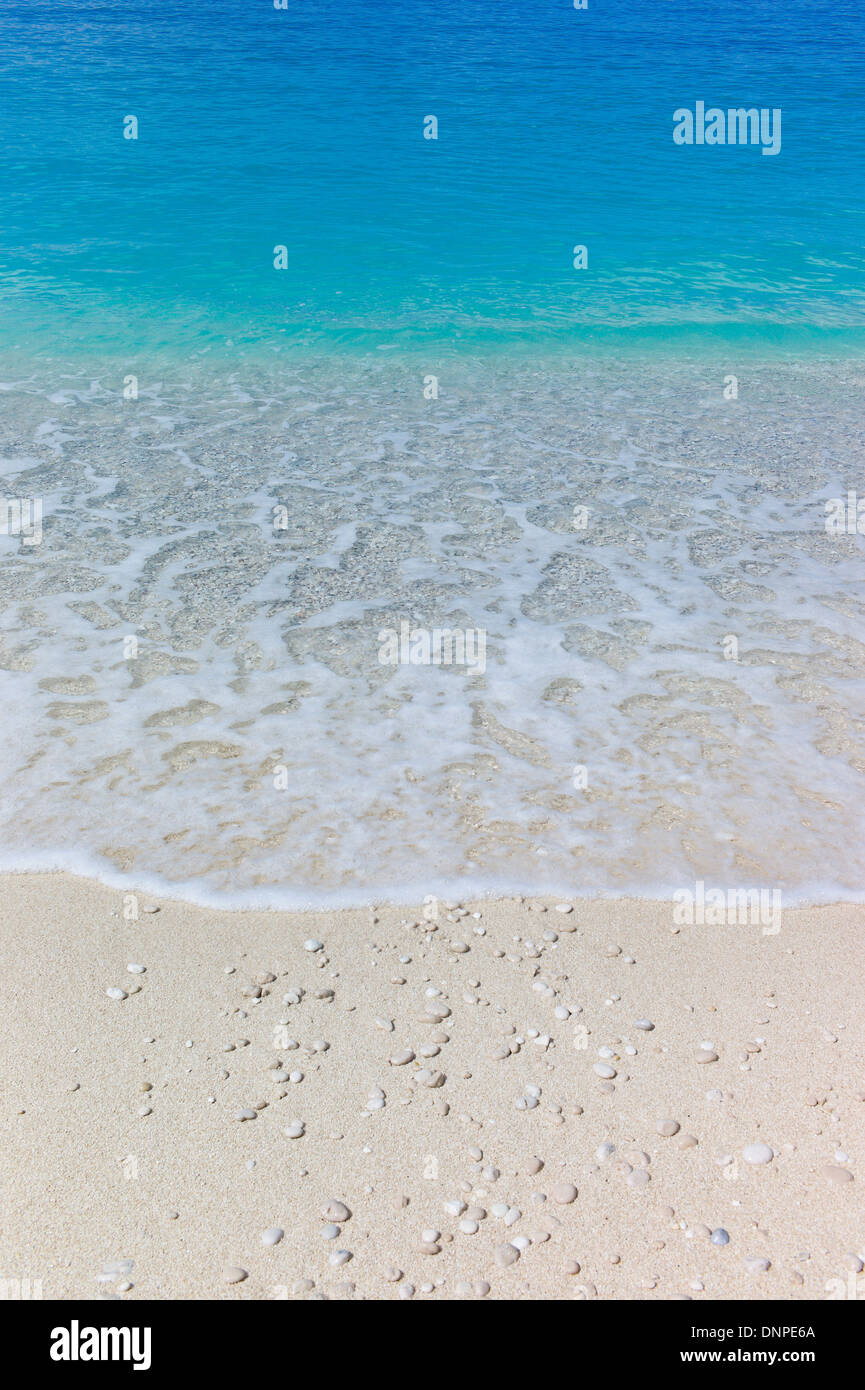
pixel 256 750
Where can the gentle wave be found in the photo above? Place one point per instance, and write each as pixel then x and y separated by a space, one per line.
pixel 191 657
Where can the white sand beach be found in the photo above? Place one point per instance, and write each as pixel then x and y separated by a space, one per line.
pixel 441 1079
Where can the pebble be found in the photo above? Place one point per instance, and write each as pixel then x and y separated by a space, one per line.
pixel 758 1153
pixel 114 992
pixel 430 1078
pixel 313 945
pixel 668 1128
pixel 246 1115
pixel 756 1264
pixel 401 1059
pixel 638 1157
pixel 334 1210
pixel 233 1274
pixel 564 1193
pixel 296 1129
pixel 719 1236
pixel 706 1054
pixel 136 969
pixel 836 1175
pixel 605 1070
pixel 272 1236
pixel 506 1255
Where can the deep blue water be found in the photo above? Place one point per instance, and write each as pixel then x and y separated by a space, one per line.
pixel 304 127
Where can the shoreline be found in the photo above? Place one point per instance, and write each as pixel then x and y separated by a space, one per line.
pixel 699 359
pixel 766 903
pixel 101 1171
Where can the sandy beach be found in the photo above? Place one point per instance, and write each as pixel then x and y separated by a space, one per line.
pixel 449 1081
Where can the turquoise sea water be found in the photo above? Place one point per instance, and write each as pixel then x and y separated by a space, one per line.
pixel 304 127
pixel 429 419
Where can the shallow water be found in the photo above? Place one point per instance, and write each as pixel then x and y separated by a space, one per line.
pixel 692 640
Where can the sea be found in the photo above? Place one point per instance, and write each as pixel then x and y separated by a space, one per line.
pixel 424 470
